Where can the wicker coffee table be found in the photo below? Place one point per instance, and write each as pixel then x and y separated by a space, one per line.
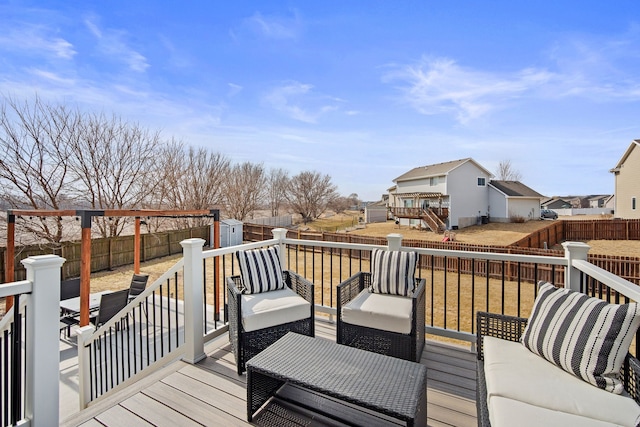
pixel 394 387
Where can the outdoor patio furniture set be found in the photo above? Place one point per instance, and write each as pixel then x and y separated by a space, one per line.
pixel 566 365
pixel 379 312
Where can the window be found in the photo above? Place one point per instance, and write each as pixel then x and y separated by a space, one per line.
pixel 482 182
pixel 633 203
pixel 433 181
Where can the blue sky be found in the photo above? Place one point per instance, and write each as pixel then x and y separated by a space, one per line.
pixel 360 90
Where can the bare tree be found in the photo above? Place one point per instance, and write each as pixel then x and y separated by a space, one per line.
pixel 114 161
pixel 355 200
pixel 340 204
pixel 277 183
pixel 506 172
pixel 309 194
pixel 192 180
pixel 245 188
pixel 34 147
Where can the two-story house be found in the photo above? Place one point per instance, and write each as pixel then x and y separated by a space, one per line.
pixel 627 183
pixel 458 193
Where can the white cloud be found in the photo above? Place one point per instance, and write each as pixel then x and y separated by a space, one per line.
pixel 51 77
pixel 114 45
pixel 234 89
pixel 289 98
pixel 600 68
pixel 274 27
pixel 440 85
pixel 29 39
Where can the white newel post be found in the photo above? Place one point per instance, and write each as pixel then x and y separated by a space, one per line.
pixel 42 385
pixel 574 251
pixel 394 241
pixel 193 300
pixel 280 234
pixel 84 368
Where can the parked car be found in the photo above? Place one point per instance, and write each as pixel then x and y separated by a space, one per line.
pixel 548 214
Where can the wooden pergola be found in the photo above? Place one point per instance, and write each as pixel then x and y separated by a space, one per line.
pixel 86 217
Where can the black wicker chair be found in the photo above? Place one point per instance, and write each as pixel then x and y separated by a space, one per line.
pixel 245 344
pixel 511 328
pixel 408 347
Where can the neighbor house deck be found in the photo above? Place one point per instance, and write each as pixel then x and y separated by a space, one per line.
pixel 211 393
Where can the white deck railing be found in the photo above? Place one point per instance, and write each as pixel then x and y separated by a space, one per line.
pixel 40 292
pixel 43 311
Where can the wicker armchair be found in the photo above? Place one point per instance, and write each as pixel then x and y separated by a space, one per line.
pixel 246 344
pixel 511 328
pixel 404 346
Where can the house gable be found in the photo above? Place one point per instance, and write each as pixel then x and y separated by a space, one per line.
pixel 627 177
pixel 438 169
pixel 461 186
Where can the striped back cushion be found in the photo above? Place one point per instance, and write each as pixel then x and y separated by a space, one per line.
pixel 585 336
pixel 392 272
pixel 261 270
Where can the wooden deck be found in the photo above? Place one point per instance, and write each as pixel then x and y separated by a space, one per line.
pixel 211 393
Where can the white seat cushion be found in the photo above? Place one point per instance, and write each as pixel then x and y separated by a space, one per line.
pixel 505 412
pixel 379 311
pixel 514 372
pixel 272 308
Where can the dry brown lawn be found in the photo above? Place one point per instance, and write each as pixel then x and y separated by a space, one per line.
pixel 501 234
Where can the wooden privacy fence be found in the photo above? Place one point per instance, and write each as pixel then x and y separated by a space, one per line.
pixel 581 230
pixel 625 267
pixel 107 253
pixel 605 229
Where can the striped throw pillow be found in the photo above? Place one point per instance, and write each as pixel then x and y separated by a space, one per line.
pixel 585 336
pixel 393 272
pixel 261 270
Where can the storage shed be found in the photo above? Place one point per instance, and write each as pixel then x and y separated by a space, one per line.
pixel 230 232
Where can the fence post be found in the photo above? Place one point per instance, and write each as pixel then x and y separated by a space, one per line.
pixel 394 241
pixel 84 366
pixel 574 251
pixel 42 354
pixel 193 300
pixel 280 234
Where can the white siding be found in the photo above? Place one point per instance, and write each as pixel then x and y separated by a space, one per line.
pixel 525 208
pixel 628 186
pixel 498 206
pixel 467 199
pixel 422 186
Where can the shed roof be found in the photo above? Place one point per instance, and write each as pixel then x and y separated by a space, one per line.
pixel 515 189
pixel 230 221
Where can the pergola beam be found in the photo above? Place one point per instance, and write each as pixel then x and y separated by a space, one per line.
pixel 86 217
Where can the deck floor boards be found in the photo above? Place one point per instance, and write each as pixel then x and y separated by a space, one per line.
pixel 211 393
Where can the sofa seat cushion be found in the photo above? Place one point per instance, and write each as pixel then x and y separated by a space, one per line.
pixel 514 372
pixel 379 311
pixel 267 309
pixel 503 412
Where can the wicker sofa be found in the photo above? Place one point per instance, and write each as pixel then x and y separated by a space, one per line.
pixel 518 387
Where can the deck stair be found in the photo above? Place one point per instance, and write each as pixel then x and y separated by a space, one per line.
pixel 433 221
